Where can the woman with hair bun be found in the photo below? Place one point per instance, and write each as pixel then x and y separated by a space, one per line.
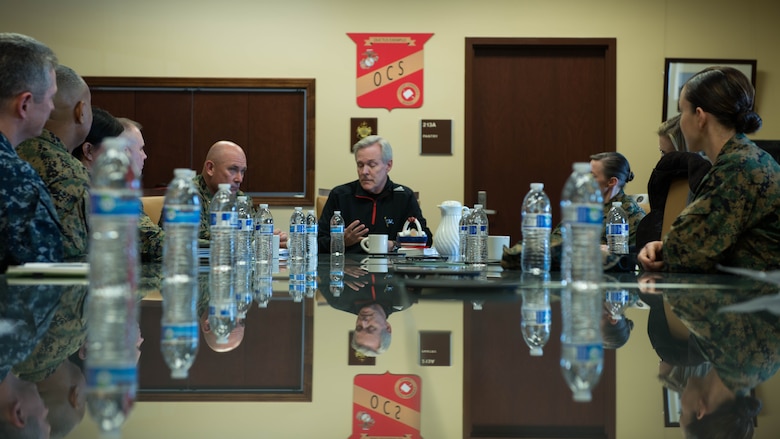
pixel 734 218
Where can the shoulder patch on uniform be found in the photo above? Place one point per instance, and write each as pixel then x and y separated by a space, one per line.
pixel 399 188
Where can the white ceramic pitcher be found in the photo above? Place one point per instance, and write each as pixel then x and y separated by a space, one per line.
pixel 446 240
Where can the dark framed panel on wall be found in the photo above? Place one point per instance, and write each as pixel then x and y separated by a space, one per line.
pixel 272 119
pixel 679 70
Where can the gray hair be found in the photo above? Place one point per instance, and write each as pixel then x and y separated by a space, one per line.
pixel 70 86
pixel 25 65
pixel 385 337
pixel 365 142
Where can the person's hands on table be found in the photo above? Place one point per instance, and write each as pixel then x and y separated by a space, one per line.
pixel 651 256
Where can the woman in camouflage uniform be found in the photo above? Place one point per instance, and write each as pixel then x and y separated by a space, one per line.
pixel 734 218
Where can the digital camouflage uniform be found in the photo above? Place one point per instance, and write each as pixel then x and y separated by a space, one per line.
pixel 734 218
pixel 29 225
pixel 634 212
pixel 66 334
pixel 152 236
pixel 744 348
pixel 205 203
pixel 28 311
pixel 68 183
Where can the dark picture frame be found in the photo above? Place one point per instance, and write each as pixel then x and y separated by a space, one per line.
pixel 679 70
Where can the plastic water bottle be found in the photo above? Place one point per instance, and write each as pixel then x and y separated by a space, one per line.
pixel 463 233
pixel 311 254
pixel 264 235
pixel 535 312
pixel 296 241
pixel 582 353
pixel 181 220
pixel 111 369
pixel 297 280
pixel 617 229
pixel 616 301
pixel 336 275
pixel 223 220
pixel 336 234
pixel 581 208
pixel 537 223
pixel 244 255
pixel 476 247
pixel 263 284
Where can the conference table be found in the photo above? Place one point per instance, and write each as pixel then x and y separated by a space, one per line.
pixel 457 364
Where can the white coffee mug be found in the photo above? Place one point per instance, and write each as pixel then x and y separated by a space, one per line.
pixel 374 265
pixel 374 244
pixel 495 246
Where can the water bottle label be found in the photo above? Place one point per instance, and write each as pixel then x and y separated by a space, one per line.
pixel 223 310
pixel 245 224
pixel 181 331
pixel 102 377
pixel 337 229
pixel 617 229
pixel 591 214
pixel 172 215
pixel 266 228
pixel 311 228
pixel 591 352
pixel 112 205
pixel 482 229
pixel 223 219
pixel 620 296
pixel 543 317
pixel 299 228
pixel 538 221
pixel 472 229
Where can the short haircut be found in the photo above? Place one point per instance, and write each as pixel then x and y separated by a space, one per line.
pixel 25 65
pixel 387 150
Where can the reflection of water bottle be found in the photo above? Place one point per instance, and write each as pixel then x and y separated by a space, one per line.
pixel 617 229
pixel 537 223
pixel 311 254
pixel 336 275
pixel 263 284
pixel 297 280
pixel 463 233
pixel 581 208
pixel 296 241
pixel 111 370
pixel 536 314
pixel 264 235
pixel 582 353
pixel 616 300
pixel 244 232
pixel 181 219
pixel 336 234
pixel 223 318
pixel 476 248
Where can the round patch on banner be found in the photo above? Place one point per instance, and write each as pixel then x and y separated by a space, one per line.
pixel 408 93
pixel 405 388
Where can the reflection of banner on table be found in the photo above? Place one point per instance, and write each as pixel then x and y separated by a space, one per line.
pixel 390 70
pixel 386 406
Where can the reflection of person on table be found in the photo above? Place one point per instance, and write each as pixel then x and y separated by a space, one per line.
pixel 372 203
pixel 733 219
pixel 373 299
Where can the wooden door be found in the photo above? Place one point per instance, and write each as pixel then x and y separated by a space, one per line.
pixel 533 107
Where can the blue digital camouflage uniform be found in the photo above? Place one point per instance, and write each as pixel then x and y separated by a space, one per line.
pixel 744 348
pixel 633 210
pixel 29 223
pixel 29 310
pixel 66 334
pixel 734 218
pixel 68 183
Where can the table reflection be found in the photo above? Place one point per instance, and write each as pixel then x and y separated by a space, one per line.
pixel 710 356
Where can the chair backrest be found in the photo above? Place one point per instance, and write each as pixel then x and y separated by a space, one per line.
pixel 319 203
pixel 153 207
pixel 676 200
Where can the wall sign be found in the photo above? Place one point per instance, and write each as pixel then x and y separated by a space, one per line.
pixel 389 70
pixel 436 136
pixel 386 406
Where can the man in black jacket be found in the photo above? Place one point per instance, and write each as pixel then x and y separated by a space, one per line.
pixel 372 204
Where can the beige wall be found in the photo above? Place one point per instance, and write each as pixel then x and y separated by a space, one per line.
pixel 307 38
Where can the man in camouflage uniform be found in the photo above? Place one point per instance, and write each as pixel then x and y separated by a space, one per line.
pixel 29 224
pixel 225 163
pixel 50 155
pixel 29 311
pixel 151 234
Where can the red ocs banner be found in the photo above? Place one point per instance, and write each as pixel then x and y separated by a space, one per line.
pixel 390 70
pixel 386 406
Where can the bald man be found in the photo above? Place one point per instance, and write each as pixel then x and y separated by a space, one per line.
pixel 65 177
pixel 225 163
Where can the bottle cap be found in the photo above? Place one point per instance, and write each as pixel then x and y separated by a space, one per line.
pixel 181 172
pixel 477 206
pixel 616 204
pixel 337 212
pixel 537 186
pixel 299 208
pixel 536 351
pixel 224 186
pixel 264 206
pixel 241 198
pixel 581 167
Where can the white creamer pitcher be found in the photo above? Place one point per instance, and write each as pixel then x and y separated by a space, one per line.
pixel 446 240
